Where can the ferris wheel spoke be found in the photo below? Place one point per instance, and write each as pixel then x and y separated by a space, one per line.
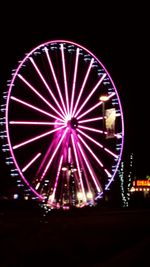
pixel 55 79
pixel 108 173
pixel 69 154
pixel 65 77
pixel 46 85
pixel 90 150
pixel 31 162
pixel 35 123
pixel 83 85
pixel 90 120
pixel 37 137
pixel 90 138
pixel 90 129
pixel 78 167
pixel 94 156
pixel 94 107
pixel 98 144
pixel 74 79
pixel 53 155
pixel 111 153
pixel 39 95
pixel 90 95
pixel 34 108
pixel 89 110
pixel 95 180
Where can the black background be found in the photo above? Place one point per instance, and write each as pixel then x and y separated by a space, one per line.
pixel 117 34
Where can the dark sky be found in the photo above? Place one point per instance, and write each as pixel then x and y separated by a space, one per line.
pixel 117 35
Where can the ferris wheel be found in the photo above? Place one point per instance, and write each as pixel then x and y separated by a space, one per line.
pixel 64 125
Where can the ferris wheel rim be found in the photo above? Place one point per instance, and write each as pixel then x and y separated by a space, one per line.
pixel 8 99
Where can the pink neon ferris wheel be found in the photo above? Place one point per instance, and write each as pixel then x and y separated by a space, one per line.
pixel 66 143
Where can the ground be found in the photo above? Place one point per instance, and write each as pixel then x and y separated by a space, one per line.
pixel 93 237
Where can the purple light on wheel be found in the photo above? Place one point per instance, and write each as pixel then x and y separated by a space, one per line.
pixel 31 162
pixel 37 137
pixel 90 95
pixel 65 78
pixel 54 120
pixel 90 129
pixel 53 155
pixel 89 110
pixel 46 84
pixel 33 107
pixel 90 150
pixel 93 107
pixel 99 189
pixel 90 138
pixel 92 119
pixel 36 123
pixel 55 79
pixel 78 167
pixel 74 80
pixel 37 93
pixel 82 87
pixel 69 154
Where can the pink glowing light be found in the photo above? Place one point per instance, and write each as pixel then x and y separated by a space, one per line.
pixel 99 189
pixel 39 95
pixel 108 173
pixel 35 123
pixel 95 106
pixel 74 78
pixel 111 153
pixel 34 107
pixel 90 138
pixel 89 110
pixel 78 167
pixel 31 162
pixel 83 85
pixel 92 119
pixel 65 77
pixel 69 154
pixel 53 155
pixel 92 92
pixel 91 152
pixel 90 129
pixel 55 79
pixel 98 144
pixel 37 137
pixel 46 84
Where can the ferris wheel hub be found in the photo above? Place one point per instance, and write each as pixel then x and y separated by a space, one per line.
pixel 73 123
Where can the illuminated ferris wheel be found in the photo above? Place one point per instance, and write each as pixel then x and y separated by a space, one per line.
pixel 64 125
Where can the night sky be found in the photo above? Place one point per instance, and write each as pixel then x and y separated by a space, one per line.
pixel 117 35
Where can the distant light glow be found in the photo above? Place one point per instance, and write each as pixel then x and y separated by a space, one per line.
pixel 103 98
